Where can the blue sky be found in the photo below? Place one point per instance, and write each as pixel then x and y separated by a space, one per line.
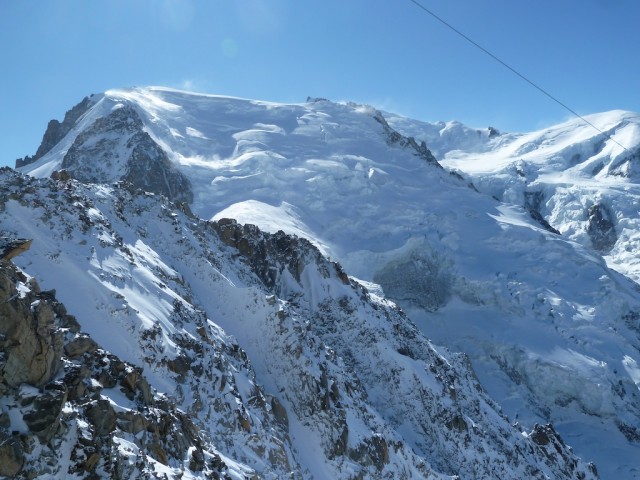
pixel 383 52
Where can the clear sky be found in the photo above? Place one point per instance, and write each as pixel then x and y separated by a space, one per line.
pixel 387 53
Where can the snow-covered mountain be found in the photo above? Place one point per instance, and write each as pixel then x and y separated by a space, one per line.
pixel 582 181
pixel 323 376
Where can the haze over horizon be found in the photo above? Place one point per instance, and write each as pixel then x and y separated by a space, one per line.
pixel 391 55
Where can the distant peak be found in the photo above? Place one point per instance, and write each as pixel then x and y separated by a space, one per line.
pixel 56 130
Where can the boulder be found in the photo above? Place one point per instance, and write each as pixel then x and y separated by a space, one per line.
pixel 32 344
pixel 102 416
pixel 44 419
pixel 10 247
pixel 11 455
pixel 79 346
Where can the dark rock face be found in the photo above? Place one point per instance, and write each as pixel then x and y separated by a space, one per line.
pixel 601 229
pixel 44 419
pixel 72 412
pixel 117 148
pixel 10 247
pixel 79 346
pixel 532 203
pixel 11 454
pixel 394 137
pixel 419 279
pixel 628 167
pixel 30 343
pixel 547 439
pixel 269 255
pixel 149 169
pixel 56 131
pixel 93 160
pixel 102 416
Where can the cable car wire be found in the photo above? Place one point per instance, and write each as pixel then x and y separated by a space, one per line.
pixel 513 70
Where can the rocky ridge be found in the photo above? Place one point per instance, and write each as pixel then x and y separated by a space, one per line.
pixel 394 137
pixel 70 409
pixel 381 358
pixel 312 360
pixel 126 152
pixel 56 131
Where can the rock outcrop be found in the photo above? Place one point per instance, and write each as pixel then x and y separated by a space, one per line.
pixel 56 131
pixel 10 247
pixel 56 401
pixel 394 137
pixel 124 151
pixel 601 228
pixel 532 203
pixel 366 345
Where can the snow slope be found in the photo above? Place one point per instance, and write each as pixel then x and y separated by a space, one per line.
pixel 551 331
pixel 71 409
pixel 291 368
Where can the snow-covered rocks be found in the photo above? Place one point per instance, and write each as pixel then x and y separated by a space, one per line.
pixel 319 379
pixel 91 413
pixel 550 331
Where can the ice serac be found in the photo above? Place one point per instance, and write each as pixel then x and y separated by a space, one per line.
pixel 588 179
pixel 274 362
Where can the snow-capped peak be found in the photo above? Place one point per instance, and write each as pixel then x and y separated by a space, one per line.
pixel 550 330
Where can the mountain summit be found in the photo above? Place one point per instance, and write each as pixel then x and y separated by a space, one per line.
pixel 196 236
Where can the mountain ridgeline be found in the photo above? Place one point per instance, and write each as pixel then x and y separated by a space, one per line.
pixel 246 289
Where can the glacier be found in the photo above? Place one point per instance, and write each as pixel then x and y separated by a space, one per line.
pixel 491 255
